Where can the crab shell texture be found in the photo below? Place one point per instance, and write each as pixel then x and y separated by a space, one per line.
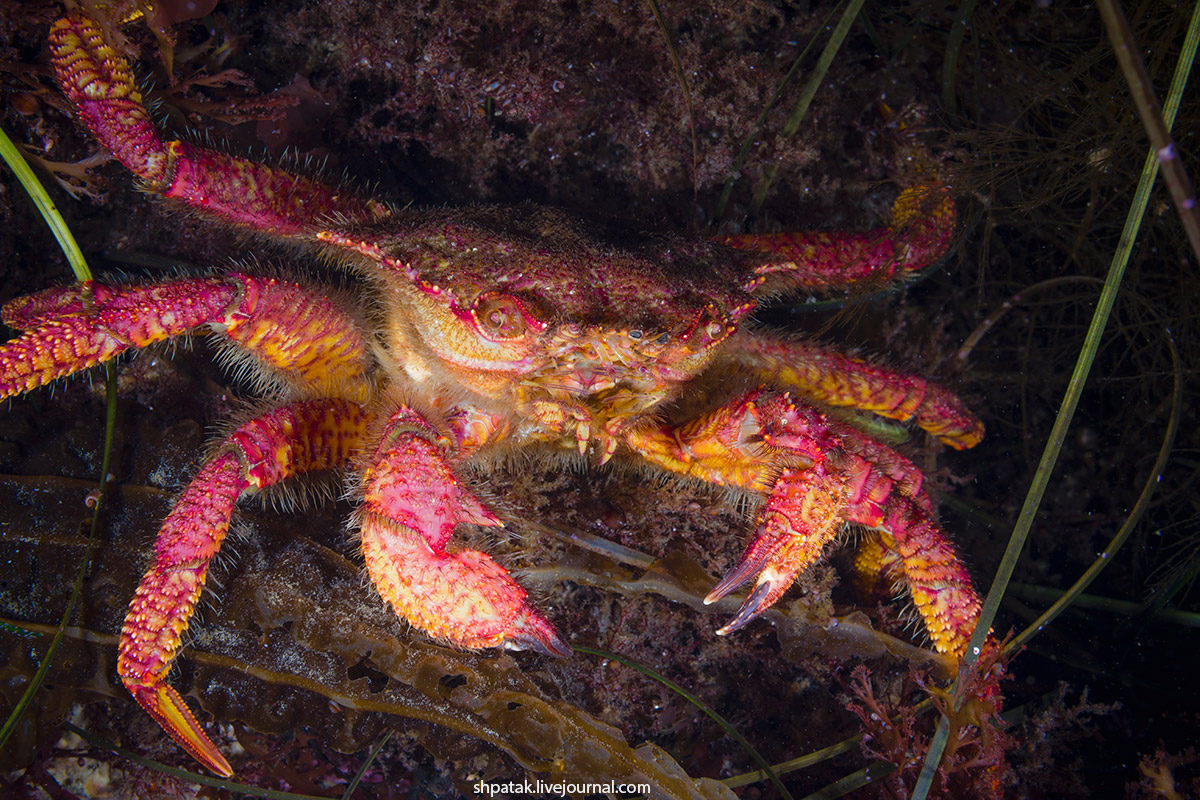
pixel 493 330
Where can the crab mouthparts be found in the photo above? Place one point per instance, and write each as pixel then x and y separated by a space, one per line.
pixel 589 409
pixel 592 385
pixel 584 420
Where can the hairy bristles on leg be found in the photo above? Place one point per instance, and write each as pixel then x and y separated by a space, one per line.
pixel 301 493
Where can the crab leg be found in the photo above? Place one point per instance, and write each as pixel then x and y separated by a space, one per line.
pixel 877 568
pixel 99 83
pixel 815 474
pixel 923 223
pixel 840 380
pixel 294 332
pixel 411 505
pixel 313 435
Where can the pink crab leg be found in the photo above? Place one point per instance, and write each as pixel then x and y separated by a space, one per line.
pixel 98 82
pixel 287 327
pixel 817 475
pixel 412 503
pixel 312 435
pixel 840 380
pixel 923 223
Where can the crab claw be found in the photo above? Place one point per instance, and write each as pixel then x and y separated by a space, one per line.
pixel 530 631
pixel 806 509
pixel 412 503
pixel 462 597
pixel 846 477
pixel 767 589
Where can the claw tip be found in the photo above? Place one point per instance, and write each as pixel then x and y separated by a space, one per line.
pixel 532 632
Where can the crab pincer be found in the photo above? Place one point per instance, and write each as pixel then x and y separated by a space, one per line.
pixel 412 503
pixel 817 475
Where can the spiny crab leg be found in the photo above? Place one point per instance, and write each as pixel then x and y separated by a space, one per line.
pixel 923 224
pixel 307 436
pixel 411 505
pixel 301 336
pixel 840 380
pixel 816 474
pixel 97 80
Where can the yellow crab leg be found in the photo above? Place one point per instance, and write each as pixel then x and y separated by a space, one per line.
pixel 298 334
pixel 840 380
pixel 313 435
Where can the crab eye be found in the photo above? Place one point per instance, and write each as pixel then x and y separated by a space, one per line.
pixel 502 317
pixel 711 327
pixel 666 337
pixel 635 334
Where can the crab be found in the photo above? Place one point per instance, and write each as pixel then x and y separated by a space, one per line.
pixel 488 330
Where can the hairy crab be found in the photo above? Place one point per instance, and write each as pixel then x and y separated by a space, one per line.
pixel 490 330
